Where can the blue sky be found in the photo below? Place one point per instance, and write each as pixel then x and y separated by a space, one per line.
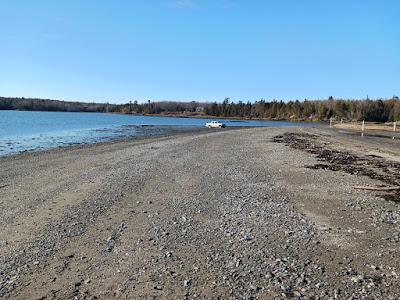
pixel 123 50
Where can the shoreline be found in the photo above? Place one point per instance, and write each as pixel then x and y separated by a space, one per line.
pixel 176 131
pixel 110 141
pixel 142 131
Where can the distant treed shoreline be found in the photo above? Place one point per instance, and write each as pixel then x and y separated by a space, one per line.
pixel 313 110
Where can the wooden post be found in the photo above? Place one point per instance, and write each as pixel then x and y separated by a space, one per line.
pixel 394 128
pixel 330 122
pixel 362 128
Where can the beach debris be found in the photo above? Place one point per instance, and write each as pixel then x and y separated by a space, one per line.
pixel 376 188
pixel 371 166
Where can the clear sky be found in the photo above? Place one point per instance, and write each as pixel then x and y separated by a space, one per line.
pixel 121 50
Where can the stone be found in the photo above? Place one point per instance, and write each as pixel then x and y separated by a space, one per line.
pixel 186 282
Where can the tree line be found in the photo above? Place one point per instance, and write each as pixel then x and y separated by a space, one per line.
pixel 313 110
pixel 318 110
pixel 54 105
pixel 132 107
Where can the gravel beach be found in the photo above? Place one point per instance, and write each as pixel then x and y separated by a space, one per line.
pixel 213 214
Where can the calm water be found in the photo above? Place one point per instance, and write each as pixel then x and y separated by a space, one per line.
pixel 31 131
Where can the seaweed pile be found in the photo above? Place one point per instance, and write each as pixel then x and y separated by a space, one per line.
pixel 369 165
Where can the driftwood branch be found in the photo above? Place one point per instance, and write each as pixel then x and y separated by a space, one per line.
pixel 373 188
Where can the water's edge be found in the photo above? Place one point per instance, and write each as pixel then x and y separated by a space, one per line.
pixel 22 131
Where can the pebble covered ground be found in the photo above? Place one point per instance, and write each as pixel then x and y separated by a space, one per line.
pixel 221 214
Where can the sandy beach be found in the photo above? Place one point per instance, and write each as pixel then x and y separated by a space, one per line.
pixel 224 214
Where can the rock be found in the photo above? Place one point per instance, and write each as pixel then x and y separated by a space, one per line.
pixel 248 237
pixel 186 282
pixel 297 294
pixel 374 267
pixel 78 283
pixel 285 288
pixel 237 264
pixel 357 279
